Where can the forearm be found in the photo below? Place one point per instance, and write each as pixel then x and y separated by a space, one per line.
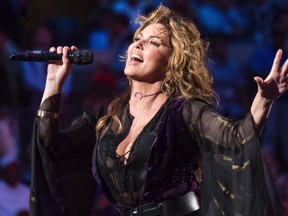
pixel 51 88
pixel 57 73
pixel 215 131
pixel 76 140
pixel 47 124
pixel 260 109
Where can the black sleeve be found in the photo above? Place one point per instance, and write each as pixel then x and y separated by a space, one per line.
pixel 62 182
pixel 235 180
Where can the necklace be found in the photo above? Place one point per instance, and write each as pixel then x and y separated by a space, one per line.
pixel 139 95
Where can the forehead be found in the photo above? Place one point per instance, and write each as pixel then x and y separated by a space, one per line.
pixel 156 29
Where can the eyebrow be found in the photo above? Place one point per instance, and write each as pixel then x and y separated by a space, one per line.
pixel 152 36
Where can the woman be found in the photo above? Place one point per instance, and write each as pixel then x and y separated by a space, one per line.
pixel 154 139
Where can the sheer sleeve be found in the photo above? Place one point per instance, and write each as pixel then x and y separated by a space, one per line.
pixel 235 180
pixel 62 181
pixel 75 141
pixel 216 132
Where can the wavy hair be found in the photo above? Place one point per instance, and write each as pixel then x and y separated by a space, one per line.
pixel 186 73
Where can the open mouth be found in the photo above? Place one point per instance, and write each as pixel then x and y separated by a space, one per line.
pixel 136 57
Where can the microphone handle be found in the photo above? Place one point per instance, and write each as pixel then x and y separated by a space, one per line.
pixel 77 57
pixel 38 56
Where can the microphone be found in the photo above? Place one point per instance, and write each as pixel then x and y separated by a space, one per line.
pixel 79 57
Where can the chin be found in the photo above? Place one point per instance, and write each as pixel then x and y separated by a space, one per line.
pixel 128 72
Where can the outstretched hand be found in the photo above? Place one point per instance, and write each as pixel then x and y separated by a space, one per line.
pixel 276 83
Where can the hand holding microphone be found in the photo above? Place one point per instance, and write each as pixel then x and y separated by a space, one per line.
pixel 60 66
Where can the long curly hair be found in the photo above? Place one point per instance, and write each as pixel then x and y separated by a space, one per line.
pixel 186 73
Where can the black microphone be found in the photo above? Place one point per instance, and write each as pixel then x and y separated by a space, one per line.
pixel 79 57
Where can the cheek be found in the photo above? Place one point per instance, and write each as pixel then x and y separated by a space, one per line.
pixel 160 67
pixel 158 56
pixel 162 62
pixel 129 49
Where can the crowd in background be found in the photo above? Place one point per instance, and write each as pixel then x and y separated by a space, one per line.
pixel 242 38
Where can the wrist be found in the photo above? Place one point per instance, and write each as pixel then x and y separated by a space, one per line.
pixel 50 90
pixel 46 114
pixel 51 104
pixel 260 108
pixel 53 87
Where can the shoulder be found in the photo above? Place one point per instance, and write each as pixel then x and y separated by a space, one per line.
pixel 191 109
pixel 92 116
pixel 189 103
pixel 96 113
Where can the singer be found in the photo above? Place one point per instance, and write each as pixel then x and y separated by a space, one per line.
pixel 160 148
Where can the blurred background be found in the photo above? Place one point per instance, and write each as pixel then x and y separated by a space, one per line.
pixel 243 37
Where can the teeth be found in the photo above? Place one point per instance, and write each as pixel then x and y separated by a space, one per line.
pixel 136 57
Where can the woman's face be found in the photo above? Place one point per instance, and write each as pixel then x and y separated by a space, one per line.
pixel 147 55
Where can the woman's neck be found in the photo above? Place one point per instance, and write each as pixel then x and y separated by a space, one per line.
pixel 142 90
pixel 139 96
pixel 143 103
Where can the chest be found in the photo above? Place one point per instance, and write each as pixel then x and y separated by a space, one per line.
pixel 139 125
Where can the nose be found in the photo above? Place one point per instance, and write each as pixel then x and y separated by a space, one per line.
pixel 140 44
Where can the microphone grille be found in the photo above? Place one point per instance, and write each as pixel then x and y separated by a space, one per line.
pixel 81 57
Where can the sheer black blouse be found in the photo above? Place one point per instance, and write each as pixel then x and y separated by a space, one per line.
pixel 183 135
pixel 126 182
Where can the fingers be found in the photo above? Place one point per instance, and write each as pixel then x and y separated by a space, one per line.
pixel 52 49
pixel 277 59
pixel 284 72
pixel 63 50
pixel 276 66
pixel 73 48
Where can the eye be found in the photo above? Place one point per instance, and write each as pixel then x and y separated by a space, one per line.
pixel 136 39
pixel 154 43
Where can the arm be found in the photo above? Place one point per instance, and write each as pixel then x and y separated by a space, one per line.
pixel 75 141
pixel 62 181
pixel 61 168
pixel 213 131
pixel 275 84
pixel 57 73
pixel 79 138
pixel 229 132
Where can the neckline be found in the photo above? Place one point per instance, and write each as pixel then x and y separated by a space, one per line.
pixel 131 117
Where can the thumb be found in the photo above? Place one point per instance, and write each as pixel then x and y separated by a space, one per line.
pixel 259 81
pixel 65 58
